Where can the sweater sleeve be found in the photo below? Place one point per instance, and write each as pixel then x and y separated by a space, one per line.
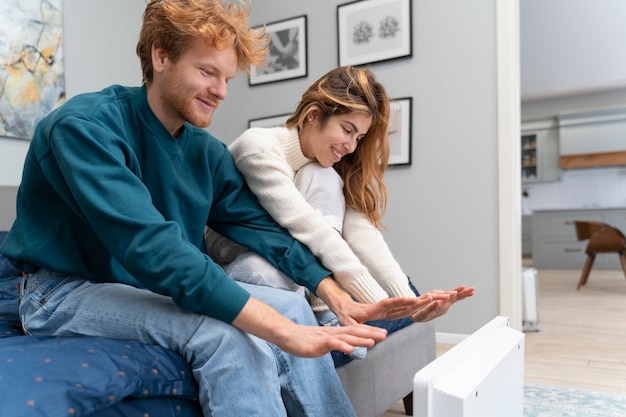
pixel 367 242
pixel 259 157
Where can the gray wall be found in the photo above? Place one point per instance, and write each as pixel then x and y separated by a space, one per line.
pixel 442 219
pixel 101 37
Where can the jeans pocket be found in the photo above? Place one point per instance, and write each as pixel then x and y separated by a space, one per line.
pixel 42 285
pixel 42 292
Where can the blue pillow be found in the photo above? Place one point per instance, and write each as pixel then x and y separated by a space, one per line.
pixel 78 376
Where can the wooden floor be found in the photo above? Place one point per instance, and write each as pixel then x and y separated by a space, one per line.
pixel 583 338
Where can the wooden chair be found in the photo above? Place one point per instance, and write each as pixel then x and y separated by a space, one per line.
pixel 602 239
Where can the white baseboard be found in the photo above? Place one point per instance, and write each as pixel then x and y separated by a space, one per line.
pixel 449 338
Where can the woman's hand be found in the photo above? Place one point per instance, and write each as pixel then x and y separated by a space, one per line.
pixel 350 312
pixel 439 307
pixel 426 307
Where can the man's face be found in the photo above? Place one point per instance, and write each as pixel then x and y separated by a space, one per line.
pixel 191 88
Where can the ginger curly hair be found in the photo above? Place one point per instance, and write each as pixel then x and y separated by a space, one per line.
pixel 171 24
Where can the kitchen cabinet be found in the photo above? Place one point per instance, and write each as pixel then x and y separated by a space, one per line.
pixel 617 218
pixel 554 242
pixel 594 131
pixel 592 138
pixel 540 151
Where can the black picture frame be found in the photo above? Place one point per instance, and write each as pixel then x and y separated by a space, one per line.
pixel 400 131
pixel 374 31
pixel 287 57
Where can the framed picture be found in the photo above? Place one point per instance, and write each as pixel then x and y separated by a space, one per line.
pixel 272 121
pixel 373 31
pixel 287 56
pixel 400 131
pixel 32 74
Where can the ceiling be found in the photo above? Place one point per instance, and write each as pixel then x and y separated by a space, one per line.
pixel 571 46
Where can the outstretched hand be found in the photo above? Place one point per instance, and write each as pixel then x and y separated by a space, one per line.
pixel 426 307
pixel 439 307
pixel 388 309
pixel 314 341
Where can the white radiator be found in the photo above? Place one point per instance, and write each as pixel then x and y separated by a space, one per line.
pixel 530 301
pixel 482 376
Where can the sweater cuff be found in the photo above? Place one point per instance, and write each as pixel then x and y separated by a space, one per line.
pixel 365 290
pixel 400 289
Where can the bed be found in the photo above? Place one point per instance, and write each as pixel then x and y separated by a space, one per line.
pixel 99 377
pixel 85 376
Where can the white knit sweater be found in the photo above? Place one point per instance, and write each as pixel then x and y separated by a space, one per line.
pixel 361 261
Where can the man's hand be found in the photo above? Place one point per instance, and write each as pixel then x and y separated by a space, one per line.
pixel 262 320
pixel 313 341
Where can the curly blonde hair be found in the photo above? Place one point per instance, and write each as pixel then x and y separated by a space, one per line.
pixel 344 90
pixel 172 24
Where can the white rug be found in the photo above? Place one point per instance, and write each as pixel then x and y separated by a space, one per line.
pixel 557 401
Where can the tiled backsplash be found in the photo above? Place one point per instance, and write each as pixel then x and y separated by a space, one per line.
pixel 578 188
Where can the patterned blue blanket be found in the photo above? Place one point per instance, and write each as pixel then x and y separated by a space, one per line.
pixel 85 376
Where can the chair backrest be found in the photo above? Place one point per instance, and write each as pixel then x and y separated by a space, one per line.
pixel 602 237
pixel 584 229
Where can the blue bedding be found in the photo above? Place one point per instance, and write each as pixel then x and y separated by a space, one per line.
pixel 85 376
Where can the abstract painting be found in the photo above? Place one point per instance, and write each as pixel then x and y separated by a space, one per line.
pixel 32 81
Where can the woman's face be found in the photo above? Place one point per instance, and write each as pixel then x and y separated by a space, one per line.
pixel 338 137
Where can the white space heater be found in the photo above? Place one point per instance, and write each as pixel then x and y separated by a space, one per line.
pixel 482 376
pixel 530 300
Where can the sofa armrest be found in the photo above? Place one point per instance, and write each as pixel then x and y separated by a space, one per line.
pixel 8 195
pixel 385 376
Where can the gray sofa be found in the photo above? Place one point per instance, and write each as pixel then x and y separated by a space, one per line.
pixel 373 384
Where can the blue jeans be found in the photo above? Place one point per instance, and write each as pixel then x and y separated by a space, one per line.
pixel 237 374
